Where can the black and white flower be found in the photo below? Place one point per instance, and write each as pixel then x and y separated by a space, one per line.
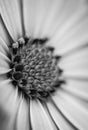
pixel 63 24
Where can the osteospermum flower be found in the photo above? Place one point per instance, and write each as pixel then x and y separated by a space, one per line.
pixel 43 65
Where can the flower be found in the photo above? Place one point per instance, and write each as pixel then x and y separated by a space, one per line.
pixel 65 24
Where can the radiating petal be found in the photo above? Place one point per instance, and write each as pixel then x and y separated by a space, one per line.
pixel 72 109
pixel 58 12
pixel 78 88
pixel 76 38
pixel 58 118
pixel 33 16
pixel 29 8
pixel 10 13
pixel 22 119
pixel 4 117
pixel 4 33
pixel 3 47
pixel 9 101
pixel 39 118
pixel 76 65
pixel 4 66
pixel 72 29
pixel 40 16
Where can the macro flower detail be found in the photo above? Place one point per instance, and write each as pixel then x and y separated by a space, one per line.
pixel 34 69
pixel 43 64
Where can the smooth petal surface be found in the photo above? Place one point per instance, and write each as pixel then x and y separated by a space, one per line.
pixel 22 120
pixel 29 8
pixel 3 33
pixel 39 118
pixel 10 12
pixel 9 101
pixel 58 118
pixel 40 16
pixel 76 37
pixel 4 60
pixel 3 47
pixel 72 109
pixel 76 65
pixel 72 28
pixel 78 88
pixel 4 117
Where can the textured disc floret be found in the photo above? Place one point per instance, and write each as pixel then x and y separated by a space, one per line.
pixel 34 69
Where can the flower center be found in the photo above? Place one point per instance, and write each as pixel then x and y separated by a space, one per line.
pixel 34 69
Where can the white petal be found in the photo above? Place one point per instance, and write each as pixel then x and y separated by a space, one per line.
pixel 57 16
pixel 39 16
pixel 58 118
pixel 3 34
pixel 72 109
pixel 29 15
pixel 10 12
pixel 3 46
pixel 4 66
pixel 76 37
pixel 23 116
pixel 4 117
pixel 69 34
pixel 76 65
pixel 39 117
pixel 77 88
pixel 9 101
pixel 32 15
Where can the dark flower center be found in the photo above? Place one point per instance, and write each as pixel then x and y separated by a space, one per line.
pixel 34 69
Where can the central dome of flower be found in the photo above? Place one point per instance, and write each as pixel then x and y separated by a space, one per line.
pixel 34 69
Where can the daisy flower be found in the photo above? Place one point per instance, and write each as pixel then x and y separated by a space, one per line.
pixel 43 65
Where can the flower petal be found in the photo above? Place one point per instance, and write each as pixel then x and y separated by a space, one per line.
pixel 10 12
pixel 31 8
pixel 78 88
pixel 76 65
pixel 3 47
pixel 4 117
pixel 58 12
pixel 58 118
pixel 68 34
pixel 9 101
pixel 4 34
pixel 39 16
pixel 39 117
pixel 75 39
pixel 22 116
pixel 4 66
pixel 72 109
